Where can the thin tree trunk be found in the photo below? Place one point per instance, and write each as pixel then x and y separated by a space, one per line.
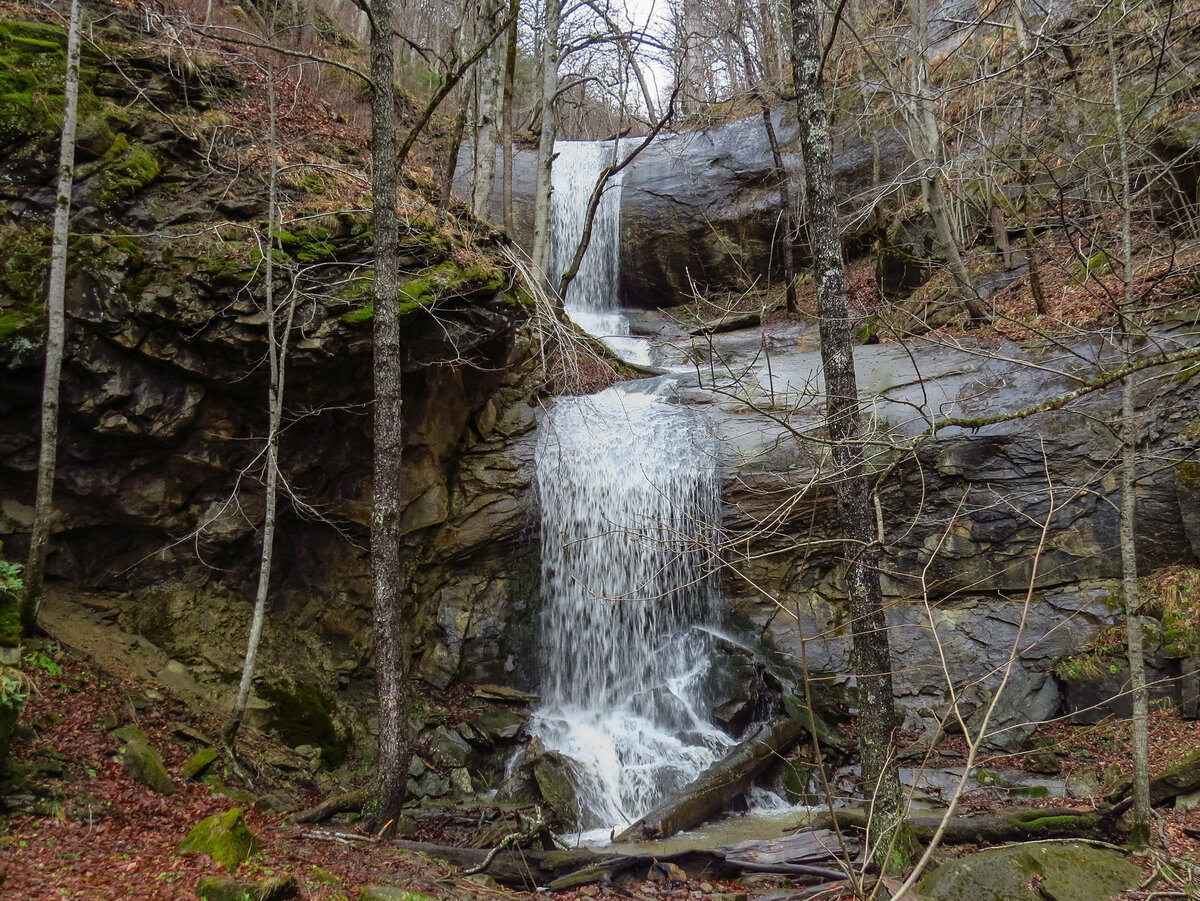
pixel 506 116
pixel 1035 268
pixel 277 358
pixel 929 150
pixel 56 333
pixel 1133 619
pixel 545 160
pixel 391 636
pixel 872 655
pixel 456 136
pixel 757 77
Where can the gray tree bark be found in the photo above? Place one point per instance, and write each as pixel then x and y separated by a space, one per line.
pixel 1129 431
pixel 489 78
pixel 928 148
pixel 545 159
pixel 56 333
pixel 872 654
pixel 277 345
pixel 392 637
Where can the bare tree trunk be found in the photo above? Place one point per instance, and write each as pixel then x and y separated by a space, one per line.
pixel 757 78
pixel 872 655
pixel 490 77
pixel 929 151
pixel 277 359
pixel 56 333
pixel 391 635
pixel 506 115
pixel 1133 619
pixel 1035 267
pixel 456 136
pixel 545 160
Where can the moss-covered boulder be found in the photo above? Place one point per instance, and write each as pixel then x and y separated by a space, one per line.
pixel 197 765
pixel 390 893
pixel 224 837
pixel 142 760
pixel 557 786
pixel 217 888
pixel 1070 871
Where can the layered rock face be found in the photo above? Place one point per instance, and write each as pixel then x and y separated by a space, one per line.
pixel 158 495
pixel 702 208
pixel 962 515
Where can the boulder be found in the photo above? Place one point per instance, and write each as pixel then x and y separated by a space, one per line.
pixel 217 888
pixel 1070 871
pixel 224 837
pixel 390 893
pixel 196 765
pixel 142 760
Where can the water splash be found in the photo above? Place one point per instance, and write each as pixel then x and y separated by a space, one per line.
pixel 630 513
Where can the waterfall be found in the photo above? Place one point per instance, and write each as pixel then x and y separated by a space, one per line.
pixel 592 299
pixel 630 505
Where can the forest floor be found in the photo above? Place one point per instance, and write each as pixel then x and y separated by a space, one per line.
pixel 82 828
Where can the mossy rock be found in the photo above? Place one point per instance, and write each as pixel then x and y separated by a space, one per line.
pixel 196 765
pixel 390 893
pixel 224 837
pixel 1069 871
pixel 217 888
pixel 304 715
pixel 142 760
pixel 554 781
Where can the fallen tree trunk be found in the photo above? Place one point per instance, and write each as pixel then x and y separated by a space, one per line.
pixel 344 803
pixel 1005 825
pixel 526 868
pixel 717 787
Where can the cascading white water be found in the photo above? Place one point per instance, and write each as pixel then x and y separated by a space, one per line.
pixel 592 298
pixel 630 506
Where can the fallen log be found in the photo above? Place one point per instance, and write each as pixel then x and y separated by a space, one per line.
pixel 525 868
pixel 1015 824
pixel 717 787
pixel 729 323
pixel 344 803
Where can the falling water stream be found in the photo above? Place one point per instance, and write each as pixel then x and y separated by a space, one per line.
pixel 630 514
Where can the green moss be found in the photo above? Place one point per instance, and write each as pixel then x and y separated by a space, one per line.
pixel 1188 474
pixel 304 716
pixel 224 837
pixel 307 245
pixel 32 63
pixel 10 602
pixel 364 313
pixel 1040 825
pixel 129 168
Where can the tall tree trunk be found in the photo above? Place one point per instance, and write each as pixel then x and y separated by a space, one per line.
pixel 1133 619
pixel 758 77
pixel 1035 267
pixel 872 655
pixel 456 136
pixel 545 160
pixel 391 635
pixel 277 359
pixel 506 115
pixel 56 333
pixel 490 75
pixel 928 146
